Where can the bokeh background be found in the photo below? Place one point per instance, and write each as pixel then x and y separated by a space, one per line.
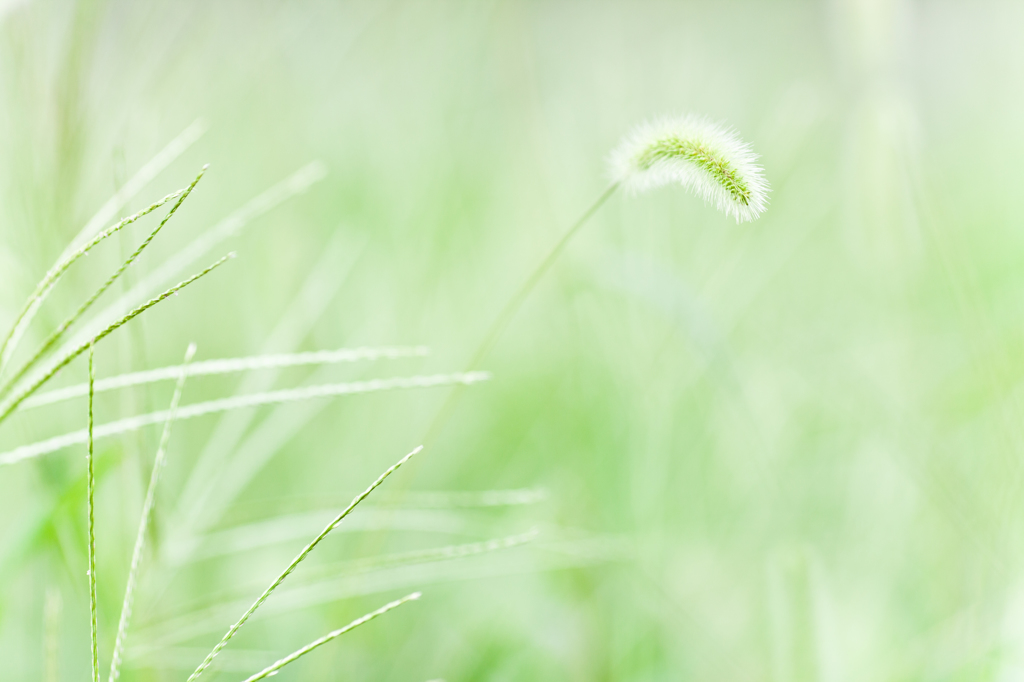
pixel 786 450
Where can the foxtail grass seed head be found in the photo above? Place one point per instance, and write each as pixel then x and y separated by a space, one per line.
pixel 705 157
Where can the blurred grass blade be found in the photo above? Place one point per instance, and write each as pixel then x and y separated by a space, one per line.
pixel 90 482
pixel 67 358
pixel 363 577
pixel 512 306
pixel 63 327
pixel 104 215
pixel 253 536
pixel 295 562
pixel 206 241
pixel 236 451
pixel 147 510
pixel 42 290
pixel 238 402
pixel 142 177
pixel 272 670
pixel 229 365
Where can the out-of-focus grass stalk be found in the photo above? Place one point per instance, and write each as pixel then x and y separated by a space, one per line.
pixel 513 306
pixel 42 290
pixel 147 510
pixel 291 658
pixel 90 484
pixel 142 177
pixel 196 248
pixel 238 402
pixel 106 213
pixel 295 562
pixel 225 366
pixel 63 327
pixel 12 405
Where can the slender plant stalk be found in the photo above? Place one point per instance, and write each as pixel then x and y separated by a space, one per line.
pixel 63 327
pixel 270 670
pixel 295 562
pixel 11 406
pixel 90 482
pixel 147 511
pixel 238 402
pixel 225 366
pixel 512 307
pixel 10 342
pixel 64 361
pixel 142 177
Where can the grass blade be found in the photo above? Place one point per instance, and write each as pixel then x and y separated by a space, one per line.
pixel 90 483
pixel 238 402
pixel 63 327
pixel 142 177
pixel 66 359
pixel 147 510
pixel 197 248
pixel 104 215
pixel 270 670
pixel 295 562
pixel 42 290
pixel 203 497
pixel 229 365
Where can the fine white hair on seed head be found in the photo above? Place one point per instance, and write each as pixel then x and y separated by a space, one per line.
pixel 705 157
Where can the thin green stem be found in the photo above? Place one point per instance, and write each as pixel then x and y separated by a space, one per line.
pixel 512 307
pixel 63 327
pixel 295 562
pixel 147 511
pixel 10 342
pixel 270 670
pixel 64 361
pixel 90 483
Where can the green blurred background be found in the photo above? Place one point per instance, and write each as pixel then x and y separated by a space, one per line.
pixel 786 450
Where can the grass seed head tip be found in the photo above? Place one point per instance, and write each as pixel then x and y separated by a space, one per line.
pixel 705 157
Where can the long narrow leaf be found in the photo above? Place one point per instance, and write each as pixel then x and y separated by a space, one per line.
pixel 55 336
pixel 12 405
pixel 90 483
pixel 147 511
pixel 197 248
pixel 104 215
pixel 295 562
pixel 228 365
pixel 271 670
pixel 210 407
pixel 42 290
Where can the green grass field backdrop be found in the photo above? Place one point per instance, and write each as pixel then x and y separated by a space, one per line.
pixel 788 450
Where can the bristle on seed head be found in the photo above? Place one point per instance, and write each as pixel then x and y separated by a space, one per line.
pixel 706 158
